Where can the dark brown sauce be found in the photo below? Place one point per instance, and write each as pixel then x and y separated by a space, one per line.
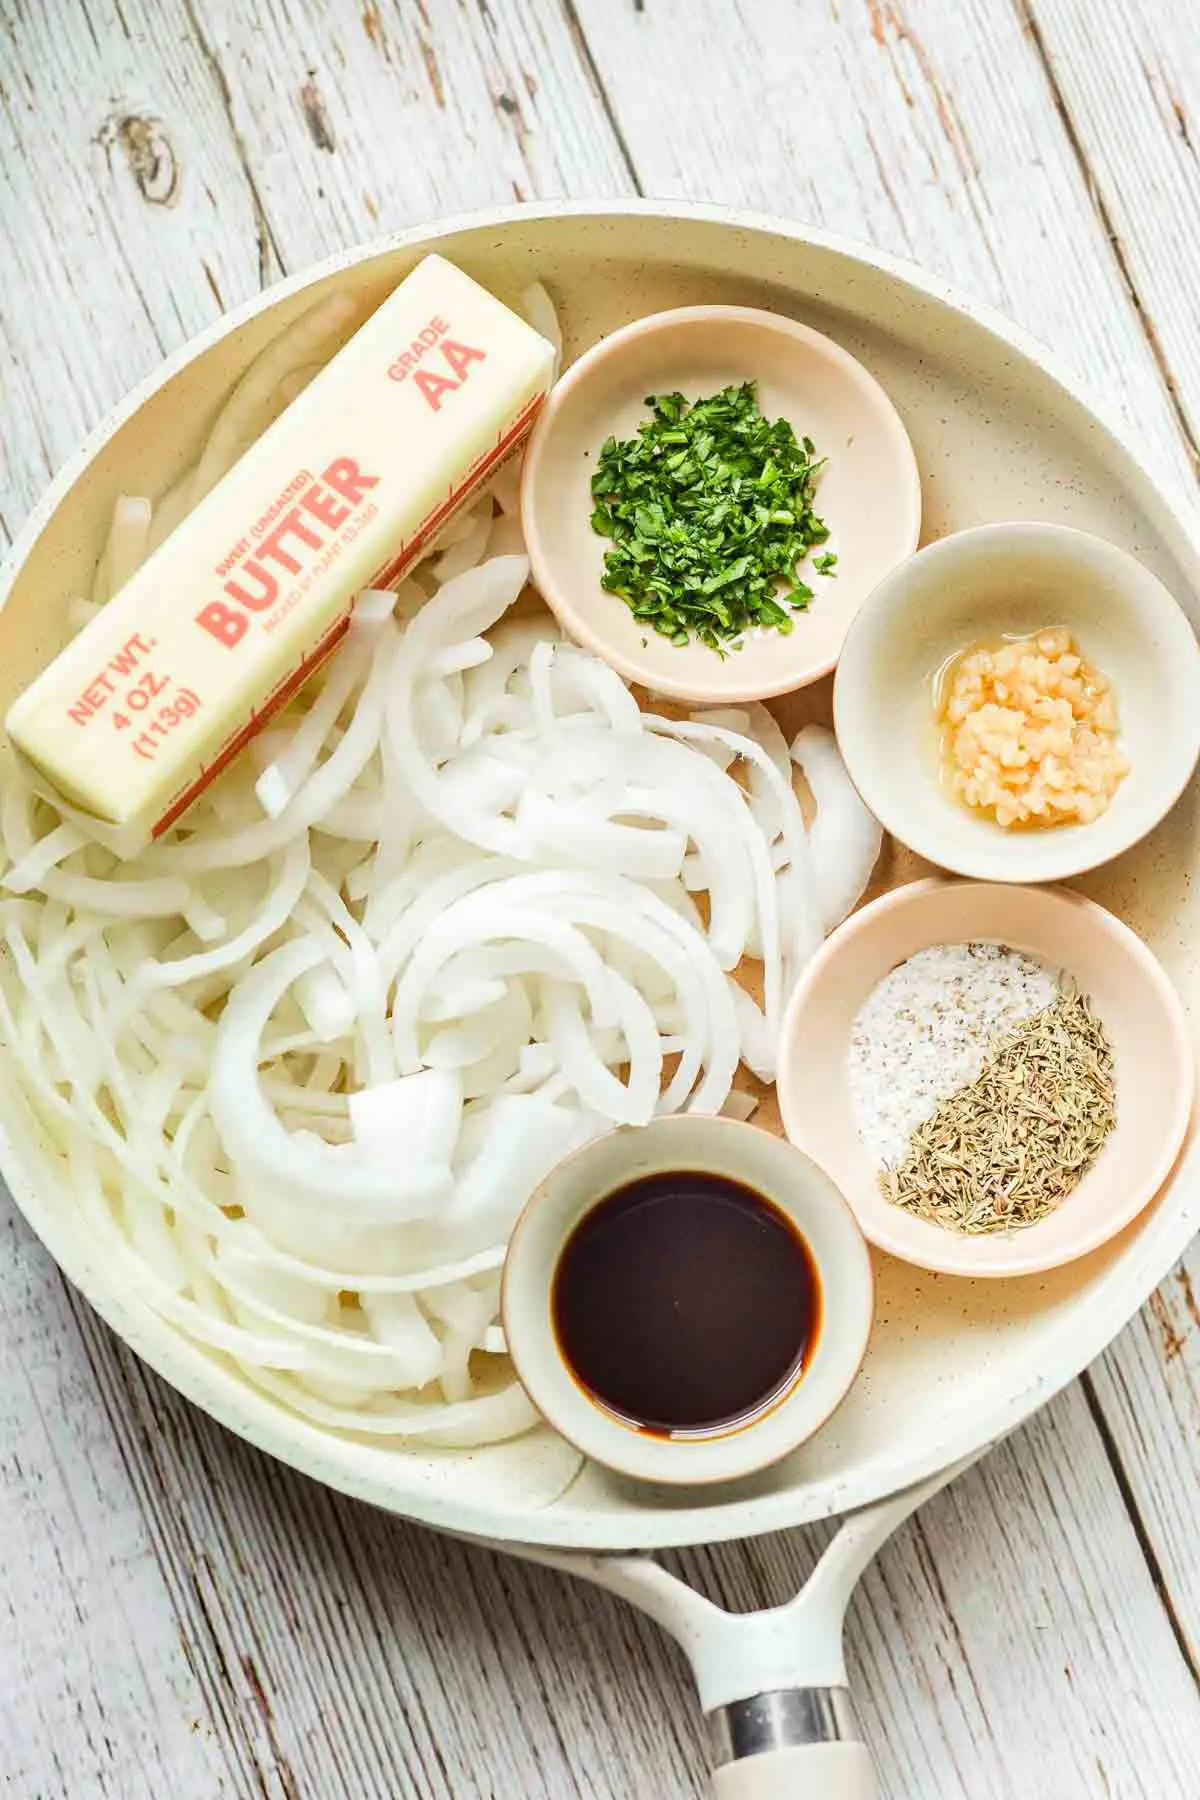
pixel 686 1303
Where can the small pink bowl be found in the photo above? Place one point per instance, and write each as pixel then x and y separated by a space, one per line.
pixel 1144 1018
pixel 869 492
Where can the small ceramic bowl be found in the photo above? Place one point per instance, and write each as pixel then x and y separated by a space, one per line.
pixel 868 494
pixel 995 582
pixel 1155 1066
pixel 774 1169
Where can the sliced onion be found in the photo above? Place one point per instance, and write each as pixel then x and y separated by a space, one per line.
pixel 575 834
pixel 126 547
pixel 413 1119
pixel 328 784
pixel 846 838
pixel 479 862
pixel 32 868
pixel 327 1007
pixel 252 1131
pixel 630 1102
pixel 463 608
pixel 480 919
pixel 285 889
pixel 281 778
pixel 522 1139
pixel 254 401
pixel 540 311
pixel 494 1034
pixel 398 1322
pixel 468 545
pixel 485 1419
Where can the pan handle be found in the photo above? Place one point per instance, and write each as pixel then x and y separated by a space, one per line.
pixel 773 1683
pixel 832 1771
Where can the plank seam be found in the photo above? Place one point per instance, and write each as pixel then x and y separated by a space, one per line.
pixel 1140 1529
pixel 1033 30
pixel 933 1576
pixel 219 1698
pixel 267 243
pixel 579 38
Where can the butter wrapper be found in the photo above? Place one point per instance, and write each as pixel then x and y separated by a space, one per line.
pixel 228 617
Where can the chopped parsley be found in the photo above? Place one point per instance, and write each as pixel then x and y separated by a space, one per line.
pixel 710 512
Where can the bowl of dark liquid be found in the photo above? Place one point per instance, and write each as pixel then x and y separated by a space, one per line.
pixel 687 1301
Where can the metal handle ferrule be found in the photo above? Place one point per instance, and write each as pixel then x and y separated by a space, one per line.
pixel 782 1720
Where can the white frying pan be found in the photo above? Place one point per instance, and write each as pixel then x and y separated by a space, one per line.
pixel 953 1366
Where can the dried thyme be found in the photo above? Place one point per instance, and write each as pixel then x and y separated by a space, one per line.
pixel 1006 1150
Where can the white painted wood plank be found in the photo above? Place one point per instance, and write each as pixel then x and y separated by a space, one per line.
pixel 1148 1387
pixel 412 110
pixel 97 1692
pixel 1001 1644
pixel 387 1640
pixel 126 219
pixel 927 128
pixel 999 1647
pixel 1083 1689
pixel 1127 75
pixel 390 1663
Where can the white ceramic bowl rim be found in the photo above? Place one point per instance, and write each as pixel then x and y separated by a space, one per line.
pixel 796 1186
pixel 916 616
pixel 718 683
pixel 344 1464
pixel 1025 1252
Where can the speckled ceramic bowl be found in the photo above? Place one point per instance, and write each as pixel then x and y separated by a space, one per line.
pixel 767 1165
pixel 1155 1073
pixel 1012 580
pixel 868 493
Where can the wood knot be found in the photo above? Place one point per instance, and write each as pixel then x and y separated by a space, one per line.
pixel 315 116
pixel 150 154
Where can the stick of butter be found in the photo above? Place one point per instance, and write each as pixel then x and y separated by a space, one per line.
pixel 222 624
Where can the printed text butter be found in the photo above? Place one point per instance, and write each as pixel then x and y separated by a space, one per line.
pixel 223 623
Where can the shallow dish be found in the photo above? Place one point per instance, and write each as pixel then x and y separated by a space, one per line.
pixel 952 1365
pixel 769 1166
pixel 1009 581
pixel 1144 1018
pixel 868 494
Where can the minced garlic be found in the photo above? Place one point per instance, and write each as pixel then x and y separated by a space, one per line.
pixel 1030 732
